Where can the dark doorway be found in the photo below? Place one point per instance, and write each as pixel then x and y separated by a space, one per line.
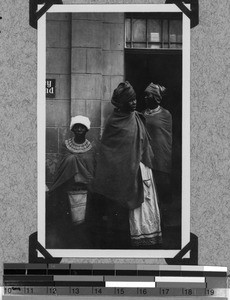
pixel 165 68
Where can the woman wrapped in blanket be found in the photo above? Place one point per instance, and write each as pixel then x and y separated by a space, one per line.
pixel 69 193
pixel 123 176
pixel 159 126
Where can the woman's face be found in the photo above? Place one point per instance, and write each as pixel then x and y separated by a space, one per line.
pixel 150 100
pixel 79 130
pixel 129 106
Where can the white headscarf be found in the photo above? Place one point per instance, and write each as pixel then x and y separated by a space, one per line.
pixel 80 120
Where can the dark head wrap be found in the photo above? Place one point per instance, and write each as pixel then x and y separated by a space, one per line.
pixel 123 94
pixel 156 90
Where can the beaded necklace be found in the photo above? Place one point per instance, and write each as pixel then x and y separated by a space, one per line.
pixel 153 111
pixel 78 148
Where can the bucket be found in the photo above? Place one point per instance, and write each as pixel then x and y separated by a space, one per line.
pixel 77 200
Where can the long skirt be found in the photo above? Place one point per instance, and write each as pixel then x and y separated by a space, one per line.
pixel 145 228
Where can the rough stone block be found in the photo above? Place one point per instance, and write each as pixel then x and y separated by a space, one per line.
pixel 86 33
pixel 52 34
pixel 115 80
pixel 78 107
pixel 113 62
pixel 106 36
pixel 58 34
pixel 113 17
pixel 63 134
pixel 51 140
pixel 117 41
pixel 57 113
pixel 87 16
pixel 106 88
pixel 65 34
pixel 58 61
pixel 113 36
pixel 78 62
pixel 65 85
pixel 86 86
pixel 94 61
pixel 93 112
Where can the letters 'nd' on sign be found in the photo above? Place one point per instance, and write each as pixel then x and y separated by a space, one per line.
pixel 50 88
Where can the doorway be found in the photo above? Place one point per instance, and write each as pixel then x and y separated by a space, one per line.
pixel 163 67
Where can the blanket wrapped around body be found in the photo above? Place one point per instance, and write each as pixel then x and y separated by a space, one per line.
pixel 77 166
pixel 124 144
pixel 68 197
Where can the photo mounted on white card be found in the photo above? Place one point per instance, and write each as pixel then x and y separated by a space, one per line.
pixel 114 130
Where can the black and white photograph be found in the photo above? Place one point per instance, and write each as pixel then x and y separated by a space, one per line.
pixel 113 130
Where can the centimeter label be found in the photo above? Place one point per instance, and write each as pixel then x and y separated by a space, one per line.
pixel 100 291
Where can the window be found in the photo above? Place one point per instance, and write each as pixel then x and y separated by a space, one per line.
pixel 153 31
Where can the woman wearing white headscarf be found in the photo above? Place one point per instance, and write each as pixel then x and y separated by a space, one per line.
pixel 70 188
pixel 77 165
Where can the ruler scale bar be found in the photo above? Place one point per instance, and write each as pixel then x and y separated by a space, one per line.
pixel 123 268
pixel 100 291
pixel 114 280
pixel 115 267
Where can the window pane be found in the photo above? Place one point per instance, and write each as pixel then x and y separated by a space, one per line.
pixel 128 30
pixel 178 46
pixel 154 31
pixel 165 31
pixel 139 30
pixel 173 46
pixel 139 45
pixel 175 31
pixel 154 46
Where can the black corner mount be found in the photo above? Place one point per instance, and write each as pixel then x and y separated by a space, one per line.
pixel 192 246
pixel 192 14
pixel 35 14
pixel 34 247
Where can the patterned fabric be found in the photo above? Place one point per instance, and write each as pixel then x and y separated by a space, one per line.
pixel 145 228
pixel 77 148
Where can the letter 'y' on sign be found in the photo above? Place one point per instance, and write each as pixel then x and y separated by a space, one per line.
pixel 50 88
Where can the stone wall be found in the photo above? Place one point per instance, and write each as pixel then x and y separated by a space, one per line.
pixel 85 54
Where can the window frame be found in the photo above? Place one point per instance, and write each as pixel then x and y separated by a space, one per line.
pixel 153 16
